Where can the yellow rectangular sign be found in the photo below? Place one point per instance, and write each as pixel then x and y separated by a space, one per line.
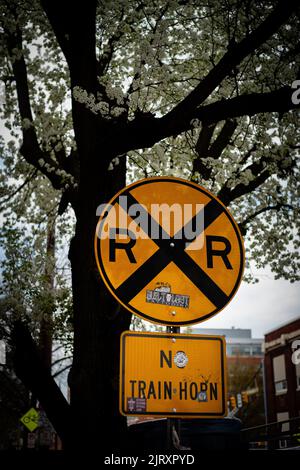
pixel 172 375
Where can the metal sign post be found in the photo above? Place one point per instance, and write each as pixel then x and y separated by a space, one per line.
pixel 173 424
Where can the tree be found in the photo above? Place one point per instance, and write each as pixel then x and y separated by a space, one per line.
pixel 209 87
pixel 243 376
pixel 33 294
pixel 33 287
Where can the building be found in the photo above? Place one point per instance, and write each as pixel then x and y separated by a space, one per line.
pixel 244 365
pixel 239 344
pixel 282 372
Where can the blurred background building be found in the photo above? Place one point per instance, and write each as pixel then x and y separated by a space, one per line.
pixel 245 372
pixel 282 372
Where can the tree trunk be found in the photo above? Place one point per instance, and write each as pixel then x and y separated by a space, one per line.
pixel 98 323
pixel 46 326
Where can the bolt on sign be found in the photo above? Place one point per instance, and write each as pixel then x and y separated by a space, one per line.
pixel 31 419
pixel 169 251
pixel 167 374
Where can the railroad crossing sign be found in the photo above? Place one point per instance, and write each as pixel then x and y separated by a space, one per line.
pixel 31 419
pixel 173 375
pixel 169 251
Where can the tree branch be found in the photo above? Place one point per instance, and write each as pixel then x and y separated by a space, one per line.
pixel 248 104
pixel 61 371
pixel 146 131
pixel 202 149
pixel 277 207
pixel 223 139
pixel 30 145
pixel 105 59
pixel 154 28
pixel 214 150
pixel 261 174
pixel 78 25
pixel 74 29
pixel 30 148
pixel 227 196
pixel 185 110
pixel 204 139
pixel 27 180
pixel 61 359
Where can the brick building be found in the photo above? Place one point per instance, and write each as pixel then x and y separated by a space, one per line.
pixel 282 373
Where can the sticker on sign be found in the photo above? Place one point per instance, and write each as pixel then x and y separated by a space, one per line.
pixel 167 374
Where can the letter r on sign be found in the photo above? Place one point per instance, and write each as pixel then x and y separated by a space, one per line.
pixel 117 245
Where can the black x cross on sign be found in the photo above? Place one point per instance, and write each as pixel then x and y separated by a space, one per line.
pixel 171 283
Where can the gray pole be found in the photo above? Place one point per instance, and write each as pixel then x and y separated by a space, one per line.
pixel 172 422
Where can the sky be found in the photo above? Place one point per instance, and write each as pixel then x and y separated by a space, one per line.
pixel 261 307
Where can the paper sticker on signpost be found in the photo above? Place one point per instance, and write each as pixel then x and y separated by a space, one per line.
pixel 169 251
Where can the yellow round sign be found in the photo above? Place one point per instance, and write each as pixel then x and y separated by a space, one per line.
pixel 169 251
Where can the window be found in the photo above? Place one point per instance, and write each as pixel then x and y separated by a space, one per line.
pixel 241 350
pixel 285 427
pixel 256 350
pixel 280 387
pixel 280 382
pixel 247 351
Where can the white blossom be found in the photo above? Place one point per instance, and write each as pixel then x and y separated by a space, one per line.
pixel 89 100
pixel 117 111
pixel 160 151
pixel 58 147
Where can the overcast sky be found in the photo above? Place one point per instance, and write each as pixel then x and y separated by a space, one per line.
pixel 261 307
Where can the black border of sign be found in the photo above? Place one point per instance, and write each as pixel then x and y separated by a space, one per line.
pixel 233 223
pixel 126 334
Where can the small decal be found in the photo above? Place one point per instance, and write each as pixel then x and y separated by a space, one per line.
pixel 202 396
pixel 136 405
pixel 162 295
pixel 180 359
